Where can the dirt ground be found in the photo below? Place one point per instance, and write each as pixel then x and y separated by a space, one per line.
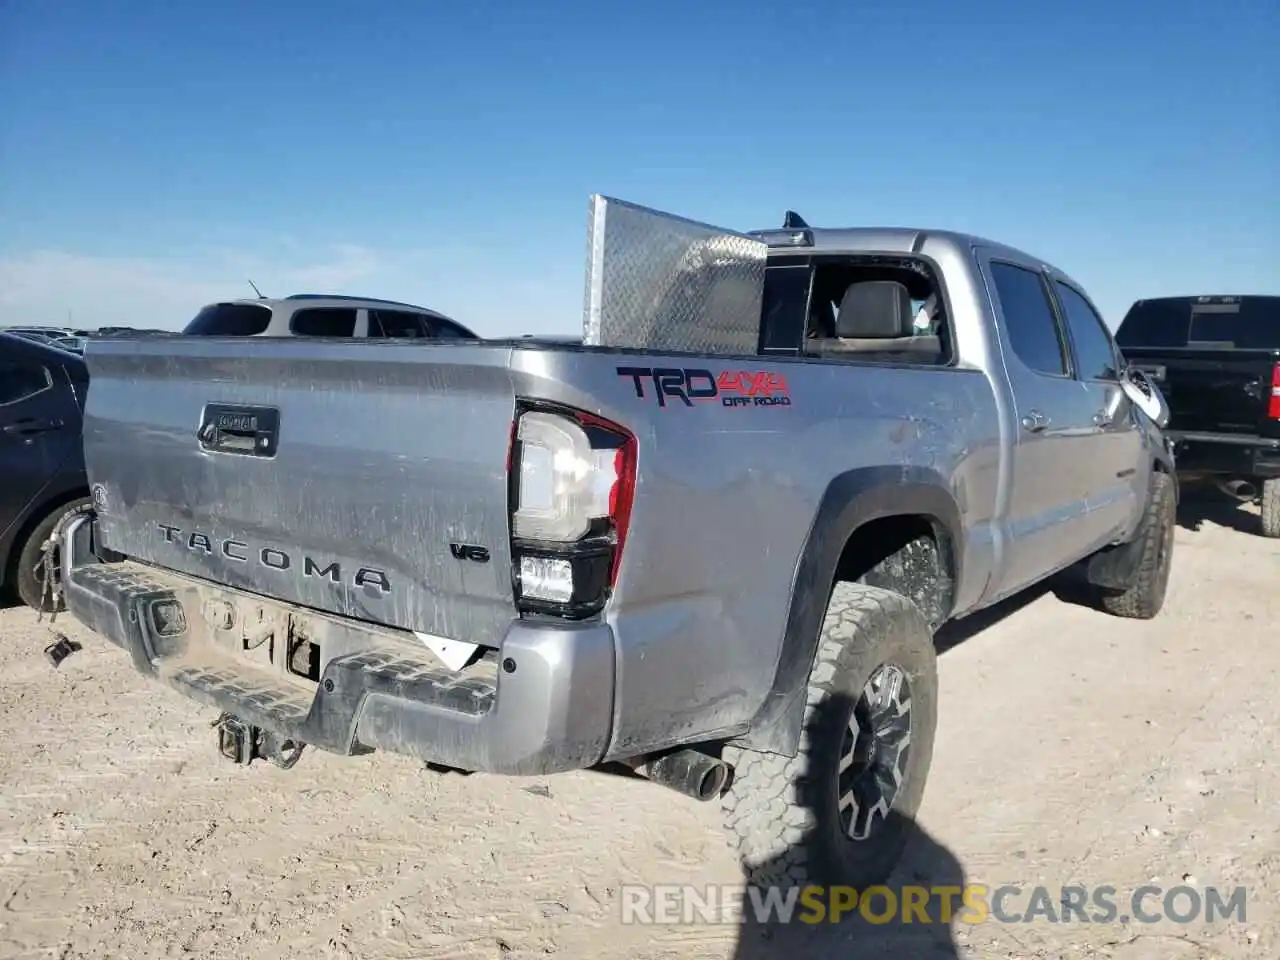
pixel 1073 749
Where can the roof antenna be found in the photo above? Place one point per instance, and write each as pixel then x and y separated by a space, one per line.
pixel 256 290
pixel 793 221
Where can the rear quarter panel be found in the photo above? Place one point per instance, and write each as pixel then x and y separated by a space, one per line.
pixel 726 498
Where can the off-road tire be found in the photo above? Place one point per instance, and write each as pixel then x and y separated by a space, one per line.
pixel 782 813
pixel 1145 597
pixel 30 585
pixel 1271 507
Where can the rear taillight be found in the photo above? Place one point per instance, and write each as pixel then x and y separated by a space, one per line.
pixel 1273 408
pixel 572 483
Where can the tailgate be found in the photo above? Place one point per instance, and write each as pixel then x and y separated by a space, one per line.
pixel 333 474
pixel 1215 391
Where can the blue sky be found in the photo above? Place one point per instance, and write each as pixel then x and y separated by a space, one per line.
pixel 153 155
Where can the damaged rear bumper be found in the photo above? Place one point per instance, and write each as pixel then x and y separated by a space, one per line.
pixel 543 705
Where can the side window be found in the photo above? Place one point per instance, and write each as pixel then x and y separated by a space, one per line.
pixel 448 331
pixel 20 380
pixel 1030 325
pixel 324 322
pixel 1095 354
pixel 229 320
pixel 396 323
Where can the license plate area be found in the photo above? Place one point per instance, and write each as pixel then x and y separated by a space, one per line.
pixel 292 644
pixel 268 637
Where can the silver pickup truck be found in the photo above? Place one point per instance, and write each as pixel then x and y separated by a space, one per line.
pixel 720 564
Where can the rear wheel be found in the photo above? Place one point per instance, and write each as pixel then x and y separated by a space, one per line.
pixel 1271 507
pixel 839 811
pixel 29 576
pixel 1145 597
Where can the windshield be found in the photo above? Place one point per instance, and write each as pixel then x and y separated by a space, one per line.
pixel 230 320
pixel 1245 323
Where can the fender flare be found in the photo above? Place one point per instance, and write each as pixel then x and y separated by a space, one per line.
pixel 851 500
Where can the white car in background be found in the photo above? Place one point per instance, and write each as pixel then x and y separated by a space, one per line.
pixel 54 336
pixel 322 315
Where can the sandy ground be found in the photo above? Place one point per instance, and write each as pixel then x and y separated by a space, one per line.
pixel 1073 749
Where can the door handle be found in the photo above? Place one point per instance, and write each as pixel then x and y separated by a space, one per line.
pixel 30 426
pixel 1100 419
pixel 1034 421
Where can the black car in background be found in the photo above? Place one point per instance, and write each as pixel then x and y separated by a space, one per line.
pixel 1216 359
pixel 42 475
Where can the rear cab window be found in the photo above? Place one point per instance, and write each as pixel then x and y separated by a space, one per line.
pixel 855 308
pixel 324 322
pixel 1241 323
pixel 230 320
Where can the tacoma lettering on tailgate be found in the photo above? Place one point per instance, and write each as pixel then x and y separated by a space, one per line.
pixel 268 556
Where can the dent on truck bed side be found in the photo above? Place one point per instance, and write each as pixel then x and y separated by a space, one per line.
pixel 852 499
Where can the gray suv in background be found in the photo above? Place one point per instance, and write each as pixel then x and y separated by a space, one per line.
pixel 321 315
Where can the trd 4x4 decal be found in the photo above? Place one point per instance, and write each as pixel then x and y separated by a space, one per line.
pixel 731 388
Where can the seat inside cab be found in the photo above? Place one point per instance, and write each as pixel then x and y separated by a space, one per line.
pixel 876 314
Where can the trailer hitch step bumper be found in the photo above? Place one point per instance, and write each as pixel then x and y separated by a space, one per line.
pixel 242 743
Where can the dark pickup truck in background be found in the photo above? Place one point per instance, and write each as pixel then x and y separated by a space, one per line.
pixel 1217 361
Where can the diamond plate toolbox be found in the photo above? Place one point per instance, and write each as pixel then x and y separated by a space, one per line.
pixel 660 282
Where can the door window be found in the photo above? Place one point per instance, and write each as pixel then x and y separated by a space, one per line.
pixel 20 380
pixel 1030 324
pixel 1095 353
pixel 324 322
pixel 396 324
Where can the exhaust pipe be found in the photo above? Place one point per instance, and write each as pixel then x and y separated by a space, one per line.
pixel 690 772
pixel 1241 490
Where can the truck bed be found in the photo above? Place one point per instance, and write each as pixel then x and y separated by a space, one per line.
pixel 389 464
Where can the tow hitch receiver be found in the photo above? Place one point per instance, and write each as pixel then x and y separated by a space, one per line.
pixel 242 743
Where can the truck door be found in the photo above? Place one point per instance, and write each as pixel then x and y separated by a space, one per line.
pixel 1118 472
pixel 1053 427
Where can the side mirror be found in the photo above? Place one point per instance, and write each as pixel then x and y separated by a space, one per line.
pixel 1146 396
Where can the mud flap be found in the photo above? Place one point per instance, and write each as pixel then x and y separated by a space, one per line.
pixel 1116 567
